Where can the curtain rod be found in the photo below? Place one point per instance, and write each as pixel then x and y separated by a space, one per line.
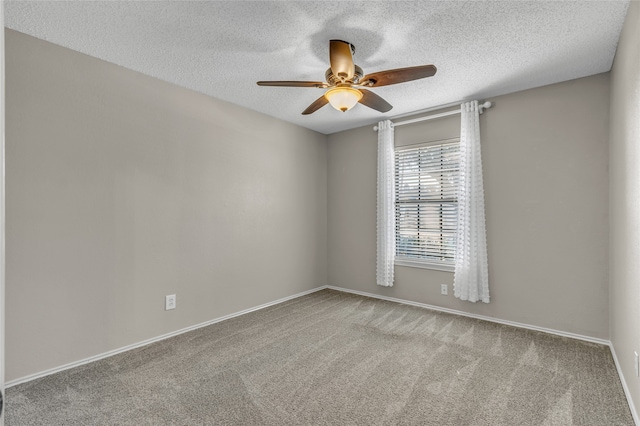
pixel 482 107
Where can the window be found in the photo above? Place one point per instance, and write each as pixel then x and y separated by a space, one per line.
pixel 426 204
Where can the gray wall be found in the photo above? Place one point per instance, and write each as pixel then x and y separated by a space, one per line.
pixel 122 189
pixel 545 155
pixel 624 203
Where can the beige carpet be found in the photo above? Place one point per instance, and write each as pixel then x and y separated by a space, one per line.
pixel 333 358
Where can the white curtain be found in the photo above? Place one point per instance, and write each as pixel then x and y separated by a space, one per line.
pixel 386 241
pixel 471 279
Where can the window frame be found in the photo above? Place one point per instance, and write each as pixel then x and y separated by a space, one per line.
pixel 412 261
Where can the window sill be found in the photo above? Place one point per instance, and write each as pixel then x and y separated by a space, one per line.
pixel 424 265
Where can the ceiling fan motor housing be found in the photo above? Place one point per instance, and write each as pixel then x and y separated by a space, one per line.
pixel 334 80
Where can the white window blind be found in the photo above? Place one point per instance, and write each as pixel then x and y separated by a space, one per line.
pixel 426 206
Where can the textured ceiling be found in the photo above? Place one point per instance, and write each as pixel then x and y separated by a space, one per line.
pixel 221 48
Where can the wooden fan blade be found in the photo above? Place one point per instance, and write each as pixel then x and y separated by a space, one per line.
pixel 398 75
pixel 374 101
pixel 292 83
pixel 316 105
pixel 342 64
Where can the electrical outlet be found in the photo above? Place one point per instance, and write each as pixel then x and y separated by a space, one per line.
pixel 635 363
pixel 444 289
pixel 169 302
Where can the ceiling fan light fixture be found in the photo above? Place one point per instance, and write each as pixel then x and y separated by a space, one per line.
pixel 343 98
pixel 343 74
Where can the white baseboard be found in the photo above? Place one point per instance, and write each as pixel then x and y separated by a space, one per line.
pixel 632 407
pixel 481 317
pixel 152 340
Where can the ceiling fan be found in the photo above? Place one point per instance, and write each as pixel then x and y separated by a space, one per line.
pixel 347 83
